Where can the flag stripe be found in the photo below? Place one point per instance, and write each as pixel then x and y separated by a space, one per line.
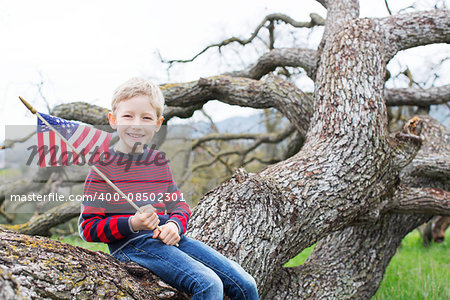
pixel 41 150
pixel 64 155
pixel 51 137
pixel 82 136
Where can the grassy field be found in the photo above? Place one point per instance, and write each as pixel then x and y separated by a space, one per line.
pixel 415 272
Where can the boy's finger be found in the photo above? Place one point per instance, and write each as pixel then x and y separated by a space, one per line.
pixel 156 233
pixel 148 208
pixel 163 235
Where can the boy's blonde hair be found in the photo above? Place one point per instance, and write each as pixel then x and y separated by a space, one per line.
pixel 139 86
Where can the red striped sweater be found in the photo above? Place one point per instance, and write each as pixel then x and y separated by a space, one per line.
pixel 146 179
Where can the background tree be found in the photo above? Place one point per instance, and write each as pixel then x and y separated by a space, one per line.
pixel 354 188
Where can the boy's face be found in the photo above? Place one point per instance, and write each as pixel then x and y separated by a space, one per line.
pixel 136 122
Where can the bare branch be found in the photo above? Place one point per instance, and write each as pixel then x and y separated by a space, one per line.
pixel 180 112
pixel 239 136
pixel 41 224
pixel 24 185
pixel 294 145
pixel 218 158
pixel 6 215
pixel 9 143
pixel 421 201
pixel 315 20
pixel 260 160
pixel 213 125
pixel 434 166
pixel 275 92
pixel 83 112
pixel 415 96
pixel 258 140
pixel 280 57
pixel 405 31
pixel 387 7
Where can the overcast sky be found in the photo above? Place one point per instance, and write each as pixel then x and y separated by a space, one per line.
pixel 82 50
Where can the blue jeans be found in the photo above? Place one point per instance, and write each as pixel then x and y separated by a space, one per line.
pixel 193 267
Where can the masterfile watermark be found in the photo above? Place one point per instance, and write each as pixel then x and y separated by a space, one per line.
pixel 67 158
pixel 109 197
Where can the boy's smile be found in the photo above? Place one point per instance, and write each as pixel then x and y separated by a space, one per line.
pixel 136 121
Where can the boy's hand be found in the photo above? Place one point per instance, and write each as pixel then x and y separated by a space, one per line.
pixel 168 234
pixel 148 220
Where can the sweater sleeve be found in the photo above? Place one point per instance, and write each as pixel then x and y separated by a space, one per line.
pixel 93 224
pixel 177 208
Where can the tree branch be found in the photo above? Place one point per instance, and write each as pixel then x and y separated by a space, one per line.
pixel 264 137
pixel 9 143
pixel 405 31
pixel 83 112
pixel 280 57
pixel 315 20
pixel 421 201
pixel 259 139
pixel 180 112
pixel 41 224
pixel 275 92
pixel 419 97
pixel 435 167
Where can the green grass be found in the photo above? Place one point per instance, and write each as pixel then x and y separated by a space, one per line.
pixel 415 272
pixel 300 258
pixel 75 240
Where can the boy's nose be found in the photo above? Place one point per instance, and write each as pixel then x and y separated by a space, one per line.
pixel 136 122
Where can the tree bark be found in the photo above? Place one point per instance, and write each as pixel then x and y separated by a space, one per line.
pixel 38 268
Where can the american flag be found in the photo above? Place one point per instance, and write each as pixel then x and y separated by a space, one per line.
pixel 53 151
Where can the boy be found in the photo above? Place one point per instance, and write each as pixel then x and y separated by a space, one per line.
pixel 144 176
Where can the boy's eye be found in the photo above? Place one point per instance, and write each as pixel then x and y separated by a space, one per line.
pixel 148 118
pixel 126 116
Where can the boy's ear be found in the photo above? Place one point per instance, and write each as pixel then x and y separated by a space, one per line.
pixel 159 123
pixel 112 120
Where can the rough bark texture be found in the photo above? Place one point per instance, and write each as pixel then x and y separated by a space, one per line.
pixel 420 97
pixel 37 268
pixel 344 188
pixel 280 57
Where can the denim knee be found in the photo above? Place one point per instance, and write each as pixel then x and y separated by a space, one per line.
pixel 211 287
pixel 250 288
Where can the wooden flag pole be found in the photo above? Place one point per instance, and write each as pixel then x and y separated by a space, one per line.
pixel 100 173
